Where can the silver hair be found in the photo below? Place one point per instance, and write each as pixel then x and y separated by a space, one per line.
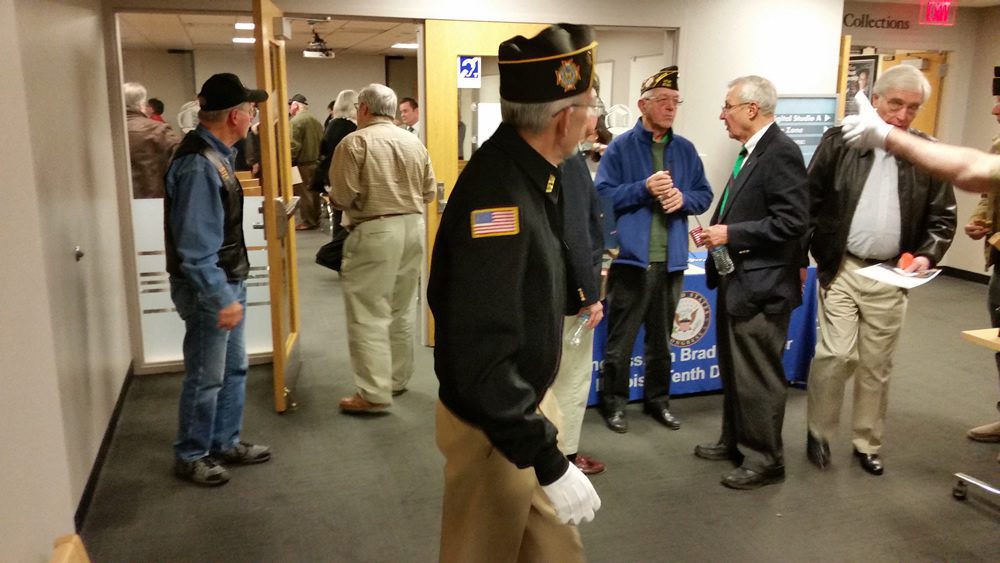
pixel 903 77
pixel 534 118
pixel 379 99
pixel 345 105
pixel 135 96
pixel 218 115
pixel 756 89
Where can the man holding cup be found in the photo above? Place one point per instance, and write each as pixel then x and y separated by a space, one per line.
pixel 655 180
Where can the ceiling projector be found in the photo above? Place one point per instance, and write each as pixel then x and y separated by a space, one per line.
pixel 317 49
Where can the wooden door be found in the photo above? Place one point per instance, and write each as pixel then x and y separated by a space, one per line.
pixel 444 41
pixel 936 63
pixel 279 201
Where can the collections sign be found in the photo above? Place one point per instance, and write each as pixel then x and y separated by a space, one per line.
pixel 869 21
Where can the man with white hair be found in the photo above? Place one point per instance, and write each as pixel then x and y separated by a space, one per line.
pixel 381 178
pixel 498 290
pixel 151 143
pixel 761 218
pixel 868 206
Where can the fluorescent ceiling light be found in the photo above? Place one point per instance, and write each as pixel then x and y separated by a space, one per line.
pixel 405 46
pixel 244 40
pixel 242 25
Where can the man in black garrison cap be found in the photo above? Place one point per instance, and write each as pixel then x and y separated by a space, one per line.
pixel 498 292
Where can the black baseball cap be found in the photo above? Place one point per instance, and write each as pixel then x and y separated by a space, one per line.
pixel 225 90
pixel 298 98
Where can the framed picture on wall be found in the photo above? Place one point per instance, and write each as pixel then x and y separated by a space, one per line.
pixel 861 74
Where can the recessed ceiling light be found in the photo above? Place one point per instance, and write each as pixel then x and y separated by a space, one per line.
pixel 405 46
pixel 244 40
pixel 243 25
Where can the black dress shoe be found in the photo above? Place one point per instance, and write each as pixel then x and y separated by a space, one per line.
pixel 662 415
pixel 719 452
pixel 871 463
pixel 818 451
pixel 615 419
pixel 745 479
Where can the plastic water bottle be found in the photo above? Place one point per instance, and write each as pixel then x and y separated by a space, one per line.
pixel 579 327
pixel 723 263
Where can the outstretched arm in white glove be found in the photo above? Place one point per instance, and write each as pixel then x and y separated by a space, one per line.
pixel 865 130
pixel 573 496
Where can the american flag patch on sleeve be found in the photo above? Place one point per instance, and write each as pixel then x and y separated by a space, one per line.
pixel 495 222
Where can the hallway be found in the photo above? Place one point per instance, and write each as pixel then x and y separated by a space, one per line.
pixel 368 489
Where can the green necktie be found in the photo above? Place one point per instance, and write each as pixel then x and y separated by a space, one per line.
pixel 736 172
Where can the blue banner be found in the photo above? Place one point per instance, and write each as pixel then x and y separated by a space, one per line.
pixel 695 366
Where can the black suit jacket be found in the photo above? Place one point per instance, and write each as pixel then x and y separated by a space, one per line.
pixel 767 212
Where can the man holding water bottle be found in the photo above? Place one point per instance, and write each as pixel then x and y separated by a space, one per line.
pixel 655 180
pixel 761 220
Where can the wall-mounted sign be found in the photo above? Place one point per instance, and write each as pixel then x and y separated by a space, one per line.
pixel 470 71
pixel 805 119
pixel 869 21
pixel 937 12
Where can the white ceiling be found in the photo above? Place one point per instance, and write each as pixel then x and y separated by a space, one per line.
pixel 188 32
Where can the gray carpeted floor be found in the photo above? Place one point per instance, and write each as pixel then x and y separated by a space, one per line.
pixel 368 489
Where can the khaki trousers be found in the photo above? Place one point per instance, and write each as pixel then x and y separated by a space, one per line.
pixel 493 511
pixel 572 385
pixel 309 201
pixel 859 324
pixel 380 274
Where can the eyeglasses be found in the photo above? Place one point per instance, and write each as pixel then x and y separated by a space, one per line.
pixel 728 108
pixel 895 105
pixel 252 111
pixel 595 109
pixel 665 100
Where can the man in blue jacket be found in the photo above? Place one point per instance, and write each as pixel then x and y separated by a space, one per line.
pixel 655 180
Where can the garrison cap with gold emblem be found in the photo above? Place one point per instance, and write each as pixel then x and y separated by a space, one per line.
pixel 996 81
pixel 664 78
pixel 555 64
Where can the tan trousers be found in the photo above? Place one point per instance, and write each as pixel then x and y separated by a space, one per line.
pixel 309 201
pixel 380 274
pixel 494 512
pixel 859 324
pixel 572 385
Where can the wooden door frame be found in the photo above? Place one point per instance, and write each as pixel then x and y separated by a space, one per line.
pixel 279 203
pixel 444 41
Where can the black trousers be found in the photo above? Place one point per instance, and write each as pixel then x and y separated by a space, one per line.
pixel 636 297
pixel 754 386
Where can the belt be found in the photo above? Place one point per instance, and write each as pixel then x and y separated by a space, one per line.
pixel 869 261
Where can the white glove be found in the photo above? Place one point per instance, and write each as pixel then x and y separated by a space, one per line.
pixel 573 496
pixel 865 130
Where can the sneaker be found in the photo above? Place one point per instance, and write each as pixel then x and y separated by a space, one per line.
pixel 985 433
pixel 244 454
pixel 204 471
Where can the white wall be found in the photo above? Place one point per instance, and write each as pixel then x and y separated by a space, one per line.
pixel 620 46
pixel 794 43
pixel 64 345
pixel 971 39
pixel 166 76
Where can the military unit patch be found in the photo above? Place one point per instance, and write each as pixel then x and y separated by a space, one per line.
pixel 567 75
pixel 495 222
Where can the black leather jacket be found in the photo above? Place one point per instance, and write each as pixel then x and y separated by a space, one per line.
pixel 837 175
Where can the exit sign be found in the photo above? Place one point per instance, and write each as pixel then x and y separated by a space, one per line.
pixel 937 12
